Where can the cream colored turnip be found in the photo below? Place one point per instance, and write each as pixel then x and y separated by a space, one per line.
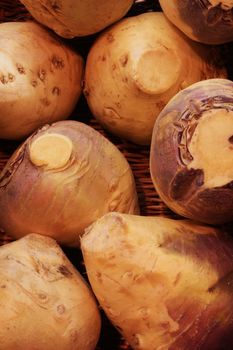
pixel 40 79
pixel 136 66
pixel 45 303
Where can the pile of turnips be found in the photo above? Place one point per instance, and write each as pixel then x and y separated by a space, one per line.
pixel 156 80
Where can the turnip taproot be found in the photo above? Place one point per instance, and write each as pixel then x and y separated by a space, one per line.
pixel 61 179
pixel 206 21
pixel 40 79
pixel 165 284
pixel 136 66
pixel 71 18
pixel 45 303
pixel 191 152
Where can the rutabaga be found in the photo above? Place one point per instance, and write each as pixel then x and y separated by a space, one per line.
pixel 61 179
pixel 40 79
pixel 165 284
pixel 191 153
pixel 206 21
pixel 71 18
pixel 45 303
pixel 136 66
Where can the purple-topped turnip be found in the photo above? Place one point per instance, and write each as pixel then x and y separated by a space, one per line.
pixel 206 21
pixel 191 159
pixel 61 179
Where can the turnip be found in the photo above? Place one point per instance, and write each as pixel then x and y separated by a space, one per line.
pixel 40 79
pixel 191 152
pixel 71 18
pixel 45 303
pixel 61 179
pixel 136 66
pixel 206 21
pixel 165 284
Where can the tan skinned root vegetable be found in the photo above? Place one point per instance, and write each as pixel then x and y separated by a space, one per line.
pixel 45 303
pixel 135 67
pixel 207 21
pixel 61 179
pixel 165 284
pixel 40 79
pixel 70 18
pixel 191 152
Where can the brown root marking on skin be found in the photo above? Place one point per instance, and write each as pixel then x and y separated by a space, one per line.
pixel 3 79
pixel 56 91
pixel 42 74
pixel 34 83
pixel 42 296
pixel 57 62
pixel 20 68
pixel 61 309
pixel 74 335
pixel 55 5
pixel 45 101
pixel 64 271
pixel 135 341
pixel 124 60
pixel 11 77
pixel 86 92
pixel 103 58
pixel 185 183
pixel 99 277
pixel 110 38
pixel 117 104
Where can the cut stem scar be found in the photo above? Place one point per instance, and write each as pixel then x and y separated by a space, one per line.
pixel 157 70
pixel 52 151
pixel 211 147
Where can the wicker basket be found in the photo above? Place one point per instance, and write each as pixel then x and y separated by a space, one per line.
pixel 138 157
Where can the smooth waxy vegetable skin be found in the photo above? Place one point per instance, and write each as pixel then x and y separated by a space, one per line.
pixel 165 284
pixel 45 303
pixel 62 179
pixel 191 152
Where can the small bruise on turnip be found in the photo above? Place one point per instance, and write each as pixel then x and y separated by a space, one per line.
pixel 206 21
pixel 191 152
pixel 136 66
pixel 45 303
pixel 61 179
pixel 163 283
pixel 40 78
